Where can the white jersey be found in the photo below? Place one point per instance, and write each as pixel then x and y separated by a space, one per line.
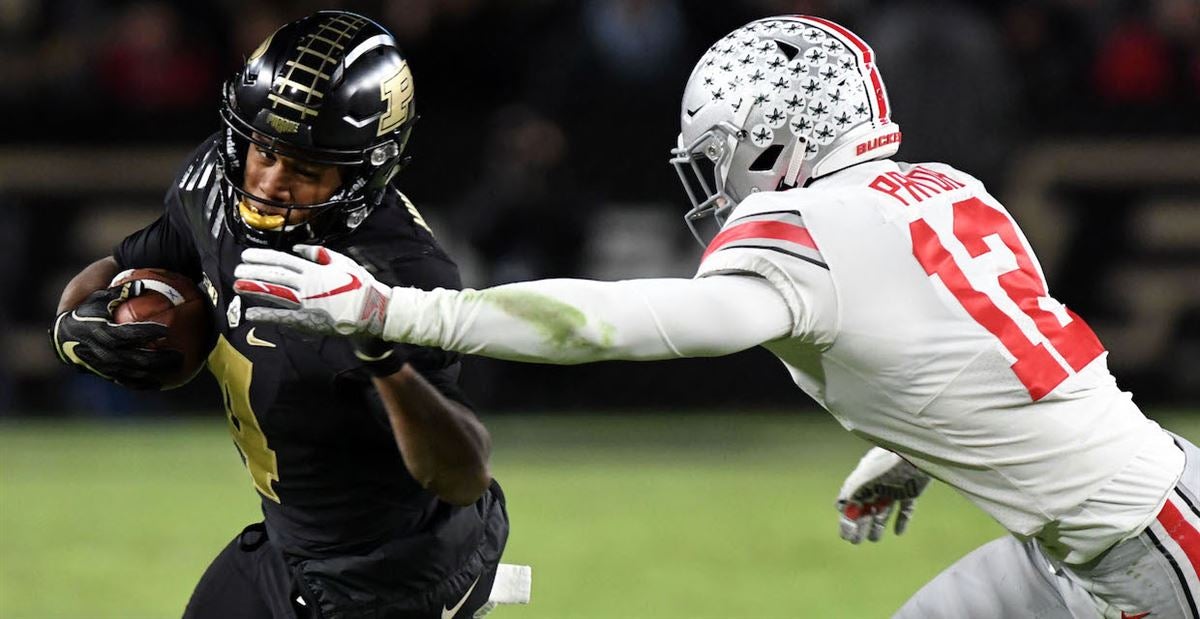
pixel 906 302
pixel 922 322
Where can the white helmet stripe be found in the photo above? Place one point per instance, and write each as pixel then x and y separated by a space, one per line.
pixel 862 52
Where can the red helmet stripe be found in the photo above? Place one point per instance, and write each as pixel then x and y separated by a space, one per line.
pixel 862 46
pixel 880 97
pixel 864 52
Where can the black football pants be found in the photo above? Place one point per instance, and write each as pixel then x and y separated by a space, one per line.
pixel 251 580
pixel 248 580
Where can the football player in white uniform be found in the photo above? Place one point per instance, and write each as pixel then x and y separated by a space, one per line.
pixel 903 298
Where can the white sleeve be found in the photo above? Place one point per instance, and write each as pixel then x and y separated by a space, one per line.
pixel 567 321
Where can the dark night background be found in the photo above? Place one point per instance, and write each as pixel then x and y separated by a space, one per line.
pixel 541 152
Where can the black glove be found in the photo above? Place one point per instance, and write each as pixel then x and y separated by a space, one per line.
pixel 379 357
pixel 87 339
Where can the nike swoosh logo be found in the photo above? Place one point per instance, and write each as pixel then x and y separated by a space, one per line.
pixel 354 284
pixel 254 340
pixel 448 613
pixel 69 351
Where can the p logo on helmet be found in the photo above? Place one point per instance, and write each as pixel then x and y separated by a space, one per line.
pixel 396 93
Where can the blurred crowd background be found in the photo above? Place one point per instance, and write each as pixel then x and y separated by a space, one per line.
pixel 542 145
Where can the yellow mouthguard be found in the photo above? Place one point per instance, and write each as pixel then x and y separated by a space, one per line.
pixel 257 219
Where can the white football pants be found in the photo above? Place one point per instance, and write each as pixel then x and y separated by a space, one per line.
pixel 1155 574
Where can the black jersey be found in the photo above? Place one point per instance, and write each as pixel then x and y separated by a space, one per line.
pixel 336 495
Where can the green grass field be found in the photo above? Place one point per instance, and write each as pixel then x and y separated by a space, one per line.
pixel 651 516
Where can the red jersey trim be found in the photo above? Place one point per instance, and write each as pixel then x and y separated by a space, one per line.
pixel 1182 532
pixel 774 230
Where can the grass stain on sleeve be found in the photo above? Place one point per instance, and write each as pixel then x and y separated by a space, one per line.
pixel 560 324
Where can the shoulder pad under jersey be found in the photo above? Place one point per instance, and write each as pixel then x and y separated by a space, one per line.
pixel 764 223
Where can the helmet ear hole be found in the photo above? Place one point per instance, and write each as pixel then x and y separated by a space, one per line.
pixel 789 50
pixel 766 159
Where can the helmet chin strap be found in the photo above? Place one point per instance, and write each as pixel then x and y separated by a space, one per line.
pixel 791 176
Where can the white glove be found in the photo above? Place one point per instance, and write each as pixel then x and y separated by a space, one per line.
pixel 323 291
pixel 871 491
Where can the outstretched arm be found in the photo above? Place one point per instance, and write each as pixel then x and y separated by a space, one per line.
pixel 581 321
pixel 563 321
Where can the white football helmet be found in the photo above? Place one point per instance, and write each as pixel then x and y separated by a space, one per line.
pixel 775 104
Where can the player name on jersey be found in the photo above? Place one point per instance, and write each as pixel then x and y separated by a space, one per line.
pixel 918 184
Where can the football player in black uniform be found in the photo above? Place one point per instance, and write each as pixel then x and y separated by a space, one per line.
pixel 315 125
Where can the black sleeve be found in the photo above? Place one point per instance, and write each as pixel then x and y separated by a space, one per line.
pixel 165 244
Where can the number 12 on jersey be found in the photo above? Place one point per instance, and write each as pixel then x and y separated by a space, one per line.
pixel 1065 342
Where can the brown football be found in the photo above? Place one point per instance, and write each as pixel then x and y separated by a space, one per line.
pixel 175 301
